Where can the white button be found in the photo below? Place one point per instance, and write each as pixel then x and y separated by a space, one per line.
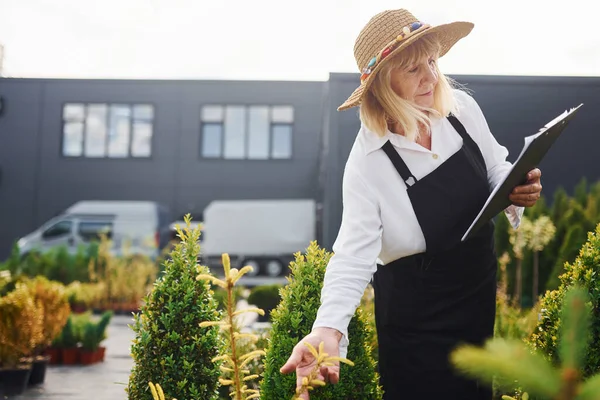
pixel 435 156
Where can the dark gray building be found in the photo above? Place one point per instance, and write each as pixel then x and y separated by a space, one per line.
pixel 185 143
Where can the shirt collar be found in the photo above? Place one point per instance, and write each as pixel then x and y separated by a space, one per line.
pixel 373 141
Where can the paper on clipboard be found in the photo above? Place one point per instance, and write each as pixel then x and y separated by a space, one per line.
pixel 535 148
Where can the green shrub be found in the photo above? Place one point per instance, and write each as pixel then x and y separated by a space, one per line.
pixel 585 274
pixel 265 297
pixel 293 319
pixel 56 263
pixel 70 336
pixel 522 369
pixel 170 347
pixel 94 332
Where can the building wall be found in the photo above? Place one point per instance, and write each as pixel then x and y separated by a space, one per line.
pixel 514 106
pixel 20 123
pixel 38 182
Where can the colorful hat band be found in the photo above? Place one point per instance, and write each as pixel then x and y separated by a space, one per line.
pixel 407 31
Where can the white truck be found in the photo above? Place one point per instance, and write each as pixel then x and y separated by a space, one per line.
pixel 262 233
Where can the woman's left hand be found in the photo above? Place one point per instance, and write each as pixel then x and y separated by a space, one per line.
pixel 527 195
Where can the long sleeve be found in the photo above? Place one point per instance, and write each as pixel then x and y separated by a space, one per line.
pixel 494 155
pixel 354 260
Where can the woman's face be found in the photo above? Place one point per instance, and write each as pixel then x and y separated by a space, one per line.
pixel 416 82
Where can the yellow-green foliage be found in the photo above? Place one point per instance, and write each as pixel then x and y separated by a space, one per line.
pixel 367 307
pixel 542 232
pixel 512 322
pixel 235 371
pixel 84 294
pixel 521 366
pixel 51 297
pixel 21 325
pixel 126 279
pixel 323 359
pixel 584 272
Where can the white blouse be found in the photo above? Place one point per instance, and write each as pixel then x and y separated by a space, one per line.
pixel 378 221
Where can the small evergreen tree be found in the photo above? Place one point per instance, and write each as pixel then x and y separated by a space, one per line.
pixel 583 273
pixel 236 371
pixel 170 347
pixel 517 365
pixel 293 319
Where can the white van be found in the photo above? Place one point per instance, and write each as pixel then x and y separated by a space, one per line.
pixel 141 225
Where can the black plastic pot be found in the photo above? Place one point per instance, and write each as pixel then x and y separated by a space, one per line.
pixel 38 371
pixel 14 381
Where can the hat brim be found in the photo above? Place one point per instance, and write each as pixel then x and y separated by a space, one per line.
pixel 448 35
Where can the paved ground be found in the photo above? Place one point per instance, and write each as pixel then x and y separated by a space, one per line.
pixel 100 381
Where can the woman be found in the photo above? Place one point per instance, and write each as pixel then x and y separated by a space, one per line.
pixel 421 168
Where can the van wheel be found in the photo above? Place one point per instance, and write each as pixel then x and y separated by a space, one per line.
pixel 274 268
pixel 255 267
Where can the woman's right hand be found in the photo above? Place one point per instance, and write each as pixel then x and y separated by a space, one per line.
pixel 302 360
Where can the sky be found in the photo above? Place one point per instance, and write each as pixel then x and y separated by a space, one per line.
pixel 281 39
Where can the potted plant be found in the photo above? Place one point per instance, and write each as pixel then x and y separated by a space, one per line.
pixel 69 352
pixel 20 333
pixel 89 344
pixel 54 351
pixel 100 334
pixel 52 299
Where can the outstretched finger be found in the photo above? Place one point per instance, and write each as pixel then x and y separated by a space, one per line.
pixel 292 362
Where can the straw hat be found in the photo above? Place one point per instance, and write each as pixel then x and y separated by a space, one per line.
pixel 387 34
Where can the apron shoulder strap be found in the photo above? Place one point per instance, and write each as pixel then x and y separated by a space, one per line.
pixel 460 128
pixel 399 164
pixel 473 151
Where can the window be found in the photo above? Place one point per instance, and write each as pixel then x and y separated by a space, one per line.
pixel 89 231
pixel 97 130
pixel 246 132
pixel 60 229
pixel 282 141
pixel 73 118
pixel 120 133
pixel 211 140
pixel 235 135
pixel 258 133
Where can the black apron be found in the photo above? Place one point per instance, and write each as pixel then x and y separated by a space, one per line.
pixel 428 303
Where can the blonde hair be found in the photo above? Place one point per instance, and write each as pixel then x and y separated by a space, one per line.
pixel 381 105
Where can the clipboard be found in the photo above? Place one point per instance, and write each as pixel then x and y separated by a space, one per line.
pixel 535 148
